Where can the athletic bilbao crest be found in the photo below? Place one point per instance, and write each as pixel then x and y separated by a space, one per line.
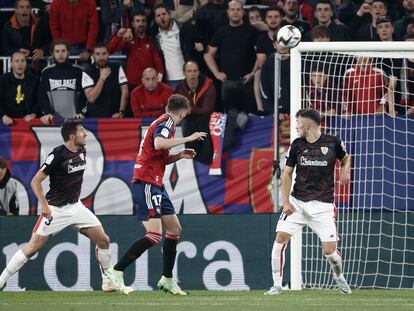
pixel 324 150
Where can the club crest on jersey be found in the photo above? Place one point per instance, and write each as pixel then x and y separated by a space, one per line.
pixel 324 150
pixel 82 157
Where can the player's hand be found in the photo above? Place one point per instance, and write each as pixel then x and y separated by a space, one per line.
pixel 121 32
pixel 46 119
pixel 288 208
pixel 7 120
pixel 197 136
pixel 37 54
pixel 29 117
pixel 198 46
pixel 104 73
pixel 188 153
pixel 365 8
pixel 248 77
pixel 46 211
pixel 344 176
pixel 221 76
pixel 128 35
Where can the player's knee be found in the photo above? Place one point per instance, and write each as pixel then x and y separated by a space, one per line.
pixel 282 237
pixel 153 237
pixel 103 243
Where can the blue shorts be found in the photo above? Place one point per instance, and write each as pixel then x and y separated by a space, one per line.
pixel 151 201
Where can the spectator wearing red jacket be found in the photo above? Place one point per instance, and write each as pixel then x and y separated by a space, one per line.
pixel 141 51
pixel 75 21
pixel 150 98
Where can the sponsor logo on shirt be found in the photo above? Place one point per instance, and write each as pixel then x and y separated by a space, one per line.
pixel 306 162
pixel 165 132
pixel 49 159
pixel 76 168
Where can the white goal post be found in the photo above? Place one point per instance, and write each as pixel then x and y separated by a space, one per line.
pixel 376 222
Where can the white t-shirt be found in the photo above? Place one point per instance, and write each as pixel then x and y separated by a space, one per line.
pixel 171 47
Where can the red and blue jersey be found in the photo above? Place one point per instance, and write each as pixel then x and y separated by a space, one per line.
pixel 150 163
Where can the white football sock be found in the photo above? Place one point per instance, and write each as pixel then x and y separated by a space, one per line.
pixel 104 258
pixel 335 261
pixel 278 261
pixel 18 260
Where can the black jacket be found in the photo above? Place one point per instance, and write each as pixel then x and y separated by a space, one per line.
pixel 18 97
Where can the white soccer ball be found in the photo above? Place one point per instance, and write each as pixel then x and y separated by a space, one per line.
pixel 288 36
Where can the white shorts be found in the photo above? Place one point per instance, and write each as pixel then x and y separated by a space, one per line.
pixel 319 216
pixel 75 215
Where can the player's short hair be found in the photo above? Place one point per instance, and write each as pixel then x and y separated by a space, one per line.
pixel 59 42
pixel 16 4
pixel 311 114
pixel 99 45
pixel 68 128
pixel 274 8
pixel 190 61
pixel 3 163
pixel 15 53
pixel 324 2
pixel 177 102
pixel 161 5
pixel 139 13
pixel 320 31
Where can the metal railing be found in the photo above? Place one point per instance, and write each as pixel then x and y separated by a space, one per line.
pixel 5 61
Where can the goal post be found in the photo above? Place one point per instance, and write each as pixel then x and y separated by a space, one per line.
pixel 375 215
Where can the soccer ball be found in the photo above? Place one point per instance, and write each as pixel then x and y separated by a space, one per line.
pixel 288 36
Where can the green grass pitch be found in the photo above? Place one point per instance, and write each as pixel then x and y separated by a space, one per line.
pixel 330 300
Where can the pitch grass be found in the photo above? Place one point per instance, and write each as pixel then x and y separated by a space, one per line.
pixel 394 300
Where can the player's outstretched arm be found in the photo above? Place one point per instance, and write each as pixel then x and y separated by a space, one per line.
pixel 164 143
pixel 183 154
pixel 38 191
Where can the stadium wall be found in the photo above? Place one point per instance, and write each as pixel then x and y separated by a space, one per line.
pixel 216 252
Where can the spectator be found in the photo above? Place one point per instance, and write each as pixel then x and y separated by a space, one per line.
pixel 193 43
pixel 42 36
pixel 75 21
pixel 105 86
pixel 141 51
pixel 210 17
pixel 320 34
pixel 384 28
pixel 267 86
pixel 117 14
pixel 265 47
pixel 323 14
pixel 344 11
pixel 318 94
pixel 235 46
pixel 9 204
pixel 406 23
pixel 18 32
pixel 149 99
pixel 18 90
pixel 168 37
pixel 182 11
pixel 406 102
pixel 365 89
pixel 254 15
pixel 60 92
pixel 200 91
pixel 363 24
pixel 291 11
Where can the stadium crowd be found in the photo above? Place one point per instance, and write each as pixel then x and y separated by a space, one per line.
pixel 218 53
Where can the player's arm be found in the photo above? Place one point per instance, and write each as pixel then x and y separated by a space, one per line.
pixel 345 161
pixel 161 143
pixel 183 154
pixel 288 208
pixel 38 191
pixel 344 172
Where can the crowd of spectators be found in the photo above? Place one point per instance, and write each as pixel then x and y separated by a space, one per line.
pixel 218 53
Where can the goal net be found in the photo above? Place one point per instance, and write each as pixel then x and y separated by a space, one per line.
pixel 364 92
